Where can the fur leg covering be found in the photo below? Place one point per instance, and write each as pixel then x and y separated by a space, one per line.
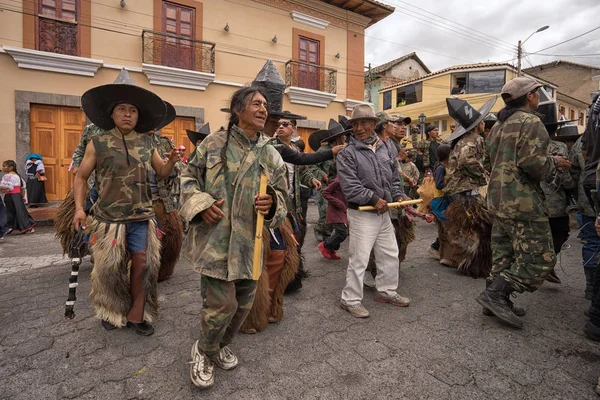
pixel 172 228
pixel 258 318
pixel 469 228
pixel 63 222
pixel 110 292
pixel 290 267
pixel 404 229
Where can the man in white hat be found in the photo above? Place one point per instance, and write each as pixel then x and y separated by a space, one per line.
pixel 368 175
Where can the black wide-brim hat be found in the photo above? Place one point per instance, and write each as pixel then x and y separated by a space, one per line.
pixel 563 131
pixel 462 129
pixel 327 135
pixel 171 115
pixel 200 135
pixel 99 102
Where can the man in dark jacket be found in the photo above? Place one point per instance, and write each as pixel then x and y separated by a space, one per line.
pixel 368 174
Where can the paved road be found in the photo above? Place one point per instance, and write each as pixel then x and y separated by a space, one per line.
pixel 440 347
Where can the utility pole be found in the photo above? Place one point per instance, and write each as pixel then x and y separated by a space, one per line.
pixel 519 55
pixel 369 84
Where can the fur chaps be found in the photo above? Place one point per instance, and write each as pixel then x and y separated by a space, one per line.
pixel 263 307
pixel 404 230
pixel 171 227
pixel 110 292
pixel 63 222
pixel 469 228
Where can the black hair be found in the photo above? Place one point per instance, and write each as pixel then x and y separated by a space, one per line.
pixel 379 127
pixel 238 103
pixel 300 145
pixel 443 152
pixel 12 164
pixel 332 173
pixel 512 106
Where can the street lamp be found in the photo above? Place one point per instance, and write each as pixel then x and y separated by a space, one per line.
pixel 422 119
pixel 520 47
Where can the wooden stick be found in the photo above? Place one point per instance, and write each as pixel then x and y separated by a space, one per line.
pixel 258 239
pixel 394 204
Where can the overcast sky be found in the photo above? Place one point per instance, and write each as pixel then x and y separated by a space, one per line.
pixel 506 21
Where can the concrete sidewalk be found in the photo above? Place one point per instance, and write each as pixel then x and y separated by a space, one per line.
pixel 441 347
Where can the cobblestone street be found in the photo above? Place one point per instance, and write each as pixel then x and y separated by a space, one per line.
pixel 441 347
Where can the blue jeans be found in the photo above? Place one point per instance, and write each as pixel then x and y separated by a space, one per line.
pixel 591 248
pixel 91 199
pixel 136 234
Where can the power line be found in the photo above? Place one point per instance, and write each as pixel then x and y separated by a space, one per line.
pixel 568 40
pixel 456 23
pixel 464 31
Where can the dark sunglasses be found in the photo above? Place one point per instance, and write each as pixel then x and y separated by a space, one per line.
pixel 285 124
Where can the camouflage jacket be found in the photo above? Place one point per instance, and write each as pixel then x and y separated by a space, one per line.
pixel 518 152
pixel 410 170
pixel 423 145
pixel 578 161
pixel 321 169
pixel 122 177
pixel 465 165
pixel 225 250
pixel 557 182
pixel 88 132
pixel 168 188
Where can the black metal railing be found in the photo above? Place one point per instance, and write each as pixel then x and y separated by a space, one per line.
pixel 310 76
pixel 160 48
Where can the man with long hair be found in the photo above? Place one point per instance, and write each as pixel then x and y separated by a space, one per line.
pixel 220 200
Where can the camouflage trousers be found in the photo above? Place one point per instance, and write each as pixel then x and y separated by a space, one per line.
pixel 321 226
pixel 522 253
pixel 225 306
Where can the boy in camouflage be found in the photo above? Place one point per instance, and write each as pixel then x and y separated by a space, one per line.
pixel 218 187
pixel 522 252
pixel 123 221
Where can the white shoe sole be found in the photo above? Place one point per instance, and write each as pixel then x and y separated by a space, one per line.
pixel 202 384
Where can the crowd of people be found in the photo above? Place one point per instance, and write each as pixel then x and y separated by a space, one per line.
pixel 500 197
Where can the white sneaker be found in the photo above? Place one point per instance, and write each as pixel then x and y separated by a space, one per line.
pixel 225 359
pixel 202 369
pixel 357 310
pixel 395 299
pixel 368 280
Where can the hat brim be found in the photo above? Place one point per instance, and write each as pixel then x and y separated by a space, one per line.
pixel 407 120
pixel 171 115
pixel 34 155
pixel 315 138
pixel 484 111
pixel 97 104
pixel 351 120
pixel 336 135
pixel 276 114
pixel 195 136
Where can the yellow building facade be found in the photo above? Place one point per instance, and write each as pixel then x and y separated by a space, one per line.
pixel 194 54
pixel 475 83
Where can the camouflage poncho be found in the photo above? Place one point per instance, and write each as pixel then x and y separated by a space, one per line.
pixel 465 165
pixel 122 177
pixel 225 250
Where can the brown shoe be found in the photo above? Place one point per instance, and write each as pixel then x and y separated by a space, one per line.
pixel 553 278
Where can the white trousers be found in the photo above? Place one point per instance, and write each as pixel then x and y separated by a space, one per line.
pixel 370 231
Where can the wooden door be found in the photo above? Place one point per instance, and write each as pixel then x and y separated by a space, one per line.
pixel 308 53
pixel 178 20
pixel 176 131
pixel 55 132
pixel 304 133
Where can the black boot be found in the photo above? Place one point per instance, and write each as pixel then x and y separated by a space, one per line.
pixel 590 275
pixel 553 278
pixel 592 331
pixel 519 311
pixel 495 299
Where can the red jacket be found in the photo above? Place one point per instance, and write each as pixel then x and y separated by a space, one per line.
pixel 336 203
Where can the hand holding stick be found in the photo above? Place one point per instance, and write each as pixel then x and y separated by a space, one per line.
pixel 258 239
pixel 394 204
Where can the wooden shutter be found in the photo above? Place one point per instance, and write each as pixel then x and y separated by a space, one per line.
pixel 308 53
pixel 180 21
